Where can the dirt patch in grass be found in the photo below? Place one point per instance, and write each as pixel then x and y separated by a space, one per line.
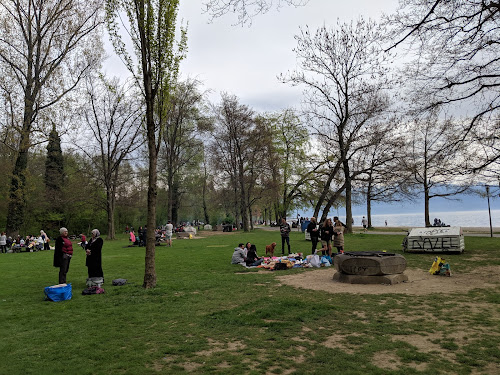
pixel 419 282
pixel 390 361
pixel 489 369
pixel 387 360
pixel 217 346
pixel 338 342
pixel 191 366
pixel 423 343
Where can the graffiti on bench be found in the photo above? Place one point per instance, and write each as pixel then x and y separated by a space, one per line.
pixel 434 243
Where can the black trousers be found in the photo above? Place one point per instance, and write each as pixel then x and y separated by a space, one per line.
pixel 314 241
pixel 283 239
pixel 63 269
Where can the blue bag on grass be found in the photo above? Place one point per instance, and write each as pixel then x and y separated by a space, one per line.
pixel 58 293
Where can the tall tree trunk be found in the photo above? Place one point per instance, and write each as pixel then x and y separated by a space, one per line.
pixel 426 204
pixel 243 200
pixel 249 208
pixel 15 214
pixel 170 198
pixel 348 196
pixel 369 202
pixel 369 210
pixel 204 195
pixel 150 268
pixel 110 209
pixel 175 202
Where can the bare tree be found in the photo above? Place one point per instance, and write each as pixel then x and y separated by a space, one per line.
pixel 183 151
pixel 435 159
pixel 456 64
pixel 381 176
pixel 230 147
pixel 114 117
pixel 39 43
pixel 246 9
pixel 343 74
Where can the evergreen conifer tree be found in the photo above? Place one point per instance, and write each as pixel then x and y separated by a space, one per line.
pixel 54 172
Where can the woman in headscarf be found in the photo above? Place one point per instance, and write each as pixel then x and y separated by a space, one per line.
pixel 93 251
pixel 62 254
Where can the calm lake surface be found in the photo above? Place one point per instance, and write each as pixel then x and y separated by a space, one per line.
pixel 456 218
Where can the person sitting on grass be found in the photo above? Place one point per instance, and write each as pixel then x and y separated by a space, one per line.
pixel 247 248
pixel 239 255
pixel 253 260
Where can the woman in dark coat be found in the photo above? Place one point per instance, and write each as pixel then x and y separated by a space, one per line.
pixel 326 231
pixel 94 252
pixel 253 260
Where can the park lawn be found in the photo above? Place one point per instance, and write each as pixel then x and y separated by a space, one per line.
pixel 206 315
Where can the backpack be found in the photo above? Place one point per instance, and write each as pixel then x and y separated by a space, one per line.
pixel 92 290
pixel 119 282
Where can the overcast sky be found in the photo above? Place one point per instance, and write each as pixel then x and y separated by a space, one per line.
pixel 245 60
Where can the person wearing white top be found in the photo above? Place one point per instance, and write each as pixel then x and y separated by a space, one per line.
pixel 168 233
pixel 3 242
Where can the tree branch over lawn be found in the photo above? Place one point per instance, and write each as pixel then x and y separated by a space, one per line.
pixel 456 62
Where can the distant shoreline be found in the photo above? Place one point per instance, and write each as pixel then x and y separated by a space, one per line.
pixel 393 228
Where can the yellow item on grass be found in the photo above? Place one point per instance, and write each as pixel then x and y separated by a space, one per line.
pixel 436 266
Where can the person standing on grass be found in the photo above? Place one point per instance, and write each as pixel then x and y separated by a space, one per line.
pixel 168 233
pixel 285 236
pixel 326 232
pixel 3 242
pixel 45 239
pixel 312 229
pixel 364 222
pixel 83 238
pixel 62 254
pixel 338 235
pixel 93 250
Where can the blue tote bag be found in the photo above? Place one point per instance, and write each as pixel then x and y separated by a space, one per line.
pixel 58 293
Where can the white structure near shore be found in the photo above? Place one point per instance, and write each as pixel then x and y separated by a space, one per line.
pixel 435 239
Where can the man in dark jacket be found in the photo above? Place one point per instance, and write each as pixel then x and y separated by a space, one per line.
pixel 312 229
pixel 285 235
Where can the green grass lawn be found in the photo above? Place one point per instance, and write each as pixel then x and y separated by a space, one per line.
pixel 208 316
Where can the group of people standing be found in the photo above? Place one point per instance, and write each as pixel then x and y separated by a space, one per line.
pixel 64 252
pixel 329 233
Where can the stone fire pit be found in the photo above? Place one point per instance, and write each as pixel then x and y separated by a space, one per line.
pixel 370 267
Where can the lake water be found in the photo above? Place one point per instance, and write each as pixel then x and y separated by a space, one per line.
pixel 456 218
